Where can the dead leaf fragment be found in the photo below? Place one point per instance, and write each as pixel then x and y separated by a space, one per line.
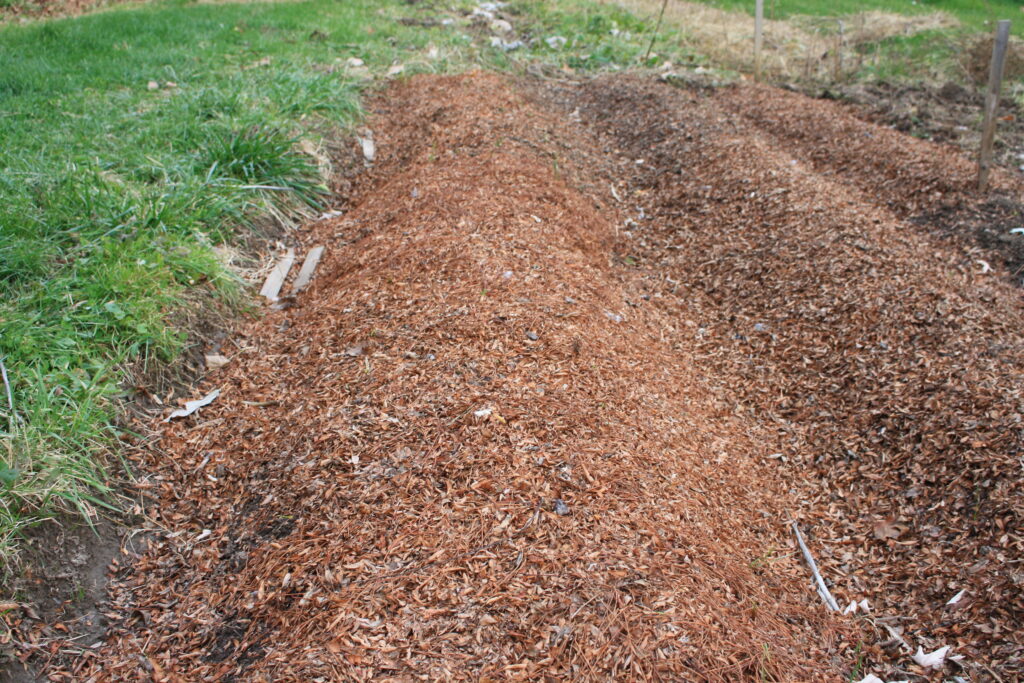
pixel 215 360
pixel 887 528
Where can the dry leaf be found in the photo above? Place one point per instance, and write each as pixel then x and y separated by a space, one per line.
pixel 887 528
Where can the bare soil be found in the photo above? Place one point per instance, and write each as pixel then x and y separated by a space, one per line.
pixel 577 355
pixel 61 590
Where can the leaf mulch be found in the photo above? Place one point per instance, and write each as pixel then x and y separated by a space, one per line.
pixel 883 355
pixel 472 448
pixel 575 356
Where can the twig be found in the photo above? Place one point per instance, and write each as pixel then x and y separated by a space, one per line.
pixel 830 602
pixel 7 386
pixel 657 27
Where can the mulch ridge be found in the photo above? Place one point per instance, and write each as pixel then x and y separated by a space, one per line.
pixel 884 361
pixel 472 449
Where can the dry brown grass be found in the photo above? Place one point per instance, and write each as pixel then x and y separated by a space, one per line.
pixel 799 47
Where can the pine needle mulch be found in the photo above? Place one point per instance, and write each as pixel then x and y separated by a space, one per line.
pixel 473 448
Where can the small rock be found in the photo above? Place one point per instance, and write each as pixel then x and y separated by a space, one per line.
pixel 556 42
pixel 532 336
pixel 354 351
pixel 561 508
pixel 501 26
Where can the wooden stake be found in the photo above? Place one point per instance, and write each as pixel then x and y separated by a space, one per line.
pixel 839 52
pixel 272 285
pixel 306 272
pixel 995 81
pixel 758 37
pixel 657 27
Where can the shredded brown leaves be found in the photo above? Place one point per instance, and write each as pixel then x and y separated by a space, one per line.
pixel 569 366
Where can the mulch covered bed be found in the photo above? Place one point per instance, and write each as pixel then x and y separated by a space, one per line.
pixel 574 359
pixel 884 356
pixel 470 450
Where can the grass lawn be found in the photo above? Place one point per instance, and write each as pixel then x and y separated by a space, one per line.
pixel 134 141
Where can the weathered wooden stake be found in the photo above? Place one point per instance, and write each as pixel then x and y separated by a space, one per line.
pixel 657 27
pixel 758 31
pixel 995 81
pixel 839 51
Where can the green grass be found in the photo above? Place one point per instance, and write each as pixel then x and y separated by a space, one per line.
pixel 114 195
pixel 135 140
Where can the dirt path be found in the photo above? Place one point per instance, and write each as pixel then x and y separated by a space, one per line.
pixel 572 361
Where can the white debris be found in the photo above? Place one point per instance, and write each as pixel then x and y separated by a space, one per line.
pixel 193 406
pixel 396 69
pixel 482 413
pixel 854 606
pixel 501 26
pixel 326 215
pixel 932 660
pixel 1017 231
pixel 507 46
pixel 369 149
pixel 614 317
pixel 985 267
pixel 354 61
pixel 956 598
pixel 556 42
